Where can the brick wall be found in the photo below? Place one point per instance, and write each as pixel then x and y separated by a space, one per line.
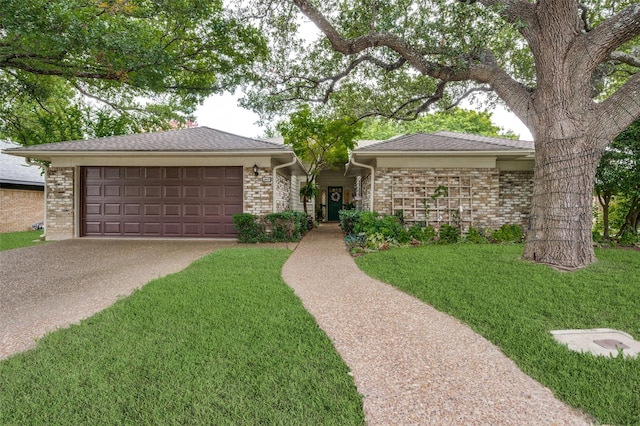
pixel 283 193
pixel 516 189
pixel 488 198
pixel 257 193
pixel 19 209
pixel 60 203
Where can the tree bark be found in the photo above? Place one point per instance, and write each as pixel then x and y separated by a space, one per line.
pixel 604 198
pixel 560 224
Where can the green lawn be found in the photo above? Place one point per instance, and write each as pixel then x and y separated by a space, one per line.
pixel 224 342
pixel 11 240
pixel 515 304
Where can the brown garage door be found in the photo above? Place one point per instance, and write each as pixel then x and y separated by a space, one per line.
pixel 160 201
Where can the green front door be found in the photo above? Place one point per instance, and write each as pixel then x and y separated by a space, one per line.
pixel 335 203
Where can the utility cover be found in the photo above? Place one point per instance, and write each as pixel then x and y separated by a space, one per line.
pixel 598 341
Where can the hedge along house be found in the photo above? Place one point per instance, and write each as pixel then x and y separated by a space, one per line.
pixel 446 177
pixel 180 183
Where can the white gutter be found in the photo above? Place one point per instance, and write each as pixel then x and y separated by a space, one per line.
pixel 372 170
pixel 274 181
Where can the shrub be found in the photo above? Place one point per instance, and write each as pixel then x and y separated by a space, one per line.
pixel 287 225
pixel 476 236
pixel 387 226
pixel 355 241
pixel 423 234
pixel 627 239
pixel 507 234
pixel 348 220
pixel 249 227
pixel 449 234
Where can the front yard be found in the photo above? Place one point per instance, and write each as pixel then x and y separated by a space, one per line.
pixel 515 304
pixel 224 342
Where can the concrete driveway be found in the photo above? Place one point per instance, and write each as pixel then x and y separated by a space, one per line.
pixel 53 285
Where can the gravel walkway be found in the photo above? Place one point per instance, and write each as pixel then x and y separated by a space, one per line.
pixel 53 285
pixel 413 364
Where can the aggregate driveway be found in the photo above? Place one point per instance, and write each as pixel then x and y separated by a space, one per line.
pixel 53 285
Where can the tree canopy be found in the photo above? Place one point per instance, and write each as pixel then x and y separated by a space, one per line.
pixel 567 69
pixel 454 120
pixel 320 142
pixel 138 62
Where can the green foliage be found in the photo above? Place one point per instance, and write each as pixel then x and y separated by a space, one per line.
pixel 454 120
pixel 223 342
pixel 287 226
pixel 507 234
pixel 475 236
pixel 144 62
pixel 448 234
pixel 422 234
pixel 249 228
pixel 515 304
pixel 348 219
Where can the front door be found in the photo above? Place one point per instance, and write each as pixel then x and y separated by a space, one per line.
pixel 335 203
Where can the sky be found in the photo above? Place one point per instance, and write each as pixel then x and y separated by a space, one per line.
pixel 221 112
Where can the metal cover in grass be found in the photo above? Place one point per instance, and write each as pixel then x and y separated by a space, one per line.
pixel 598 341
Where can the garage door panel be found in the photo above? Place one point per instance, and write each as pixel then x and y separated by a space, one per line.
pixel 111 209
pixel 133 228
pixel 161 201
pixel 112 228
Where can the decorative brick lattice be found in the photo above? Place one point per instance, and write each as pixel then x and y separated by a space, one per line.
pixel 283 193
pixel 488 198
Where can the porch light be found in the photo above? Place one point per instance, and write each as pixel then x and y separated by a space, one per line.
pixel 255 169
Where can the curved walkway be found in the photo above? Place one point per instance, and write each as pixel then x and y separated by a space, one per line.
pixel 413 365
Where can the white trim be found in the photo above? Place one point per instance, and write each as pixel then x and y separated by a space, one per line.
pixel 373 178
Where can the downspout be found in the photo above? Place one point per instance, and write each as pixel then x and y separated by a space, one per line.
pixel 274 183
pixel 372 170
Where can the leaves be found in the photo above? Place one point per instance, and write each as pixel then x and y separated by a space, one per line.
pixel 125 54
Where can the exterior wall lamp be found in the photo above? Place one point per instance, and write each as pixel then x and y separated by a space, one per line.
pixel 255 169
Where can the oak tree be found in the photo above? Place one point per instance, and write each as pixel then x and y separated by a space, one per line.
pixel 140 62
pixel 567 69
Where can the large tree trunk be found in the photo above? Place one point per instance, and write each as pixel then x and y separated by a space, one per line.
pixel 560 224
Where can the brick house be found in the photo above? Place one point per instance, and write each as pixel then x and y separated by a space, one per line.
pixel 180 183
pixel 445 177
pixel 190 182
pixel 21 192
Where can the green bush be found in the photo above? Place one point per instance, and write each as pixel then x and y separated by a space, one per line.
pixel 348 219
pixel 507 234
pixel 285 227
pixel 423 234
pixel 448 234
pixel 249 227
pixel 475 236
pixel 385 227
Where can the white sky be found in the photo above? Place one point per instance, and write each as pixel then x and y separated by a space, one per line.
pixel 222 112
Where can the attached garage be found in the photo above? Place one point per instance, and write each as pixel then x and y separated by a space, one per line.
pixel 186 183
pixel 160 201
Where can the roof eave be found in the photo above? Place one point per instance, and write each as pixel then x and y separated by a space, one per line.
pixel 523 152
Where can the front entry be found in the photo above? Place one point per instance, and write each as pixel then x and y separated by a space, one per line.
pixel 335 203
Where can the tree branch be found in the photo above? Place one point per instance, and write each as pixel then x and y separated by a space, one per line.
pixel 625 58
pixel 598 44
pixel 621 108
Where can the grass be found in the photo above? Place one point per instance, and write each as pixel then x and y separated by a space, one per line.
pixel 12 240
pixel 515 304
pixel 223 342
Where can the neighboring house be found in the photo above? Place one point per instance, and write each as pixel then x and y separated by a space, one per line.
pixel 180 183
pixel 21 192
pixel 190 182
pixel 444 177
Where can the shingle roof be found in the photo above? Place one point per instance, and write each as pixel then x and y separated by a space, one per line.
pixel 447 141
pixel 15 171
pixel 193 139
